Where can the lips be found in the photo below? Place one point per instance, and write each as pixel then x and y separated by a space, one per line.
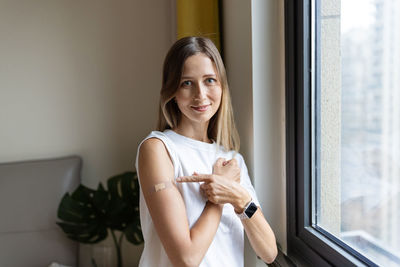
pixel 200 108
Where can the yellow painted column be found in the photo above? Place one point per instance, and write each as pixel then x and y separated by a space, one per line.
pixel 198 18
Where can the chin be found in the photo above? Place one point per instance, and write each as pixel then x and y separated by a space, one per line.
pixel 200 119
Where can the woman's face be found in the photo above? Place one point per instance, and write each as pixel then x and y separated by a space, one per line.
pixel 199 94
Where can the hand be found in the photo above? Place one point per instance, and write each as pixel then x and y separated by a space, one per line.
pixel 228 169
pixel 222 186
pixel 215 188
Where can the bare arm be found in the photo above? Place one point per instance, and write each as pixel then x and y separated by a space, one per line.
pixel 221 190
pixel 184 246
pixel 258 231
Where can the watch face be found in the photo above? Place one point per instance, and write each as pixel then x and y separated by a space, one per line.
pixel 251 209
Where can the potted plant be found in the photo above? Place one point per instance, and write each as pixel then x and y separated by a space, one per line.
pixel 88 215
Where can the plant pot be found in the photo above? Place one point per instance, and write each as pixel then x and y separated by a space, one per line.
pixel 103 256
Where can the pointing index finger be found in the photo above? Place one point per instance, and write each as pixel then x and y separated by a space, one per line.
pixel 194 178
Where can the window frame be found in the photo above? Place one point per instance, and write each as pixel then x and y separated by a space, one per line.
pixel 307 243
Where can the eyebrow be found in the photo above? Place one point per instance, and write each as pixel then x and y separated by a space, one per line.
pixel 207 75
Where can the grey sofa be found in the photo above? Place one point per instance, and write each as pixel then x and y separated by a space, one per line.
pixel 30 192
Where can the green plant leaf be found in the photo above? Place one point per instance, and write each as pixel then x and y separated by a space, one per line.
pixel 133 233
pixel 88 234
pixel 82 218
pixel 83 194
pixel 125 186
pixel 86 214
pixel 101 200
pixel 73 211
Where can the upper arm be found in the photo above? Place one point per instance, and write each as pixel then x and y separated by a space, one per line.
pixel 166 207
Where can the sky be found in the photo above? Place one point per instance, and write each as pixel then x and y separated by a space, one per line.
pixel 356 14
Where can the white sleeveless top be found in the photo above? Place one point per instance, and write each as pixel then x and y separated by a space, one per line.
pixel 188 156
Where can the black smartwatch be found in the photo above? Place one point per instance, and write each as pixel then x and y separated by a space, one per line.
pixel 248 211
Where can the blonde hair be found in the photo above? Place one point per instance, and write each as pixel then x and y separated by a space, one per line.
pixel 222 127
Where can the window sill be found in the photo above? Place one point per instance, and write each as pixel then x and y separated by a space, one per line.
pixel 283 261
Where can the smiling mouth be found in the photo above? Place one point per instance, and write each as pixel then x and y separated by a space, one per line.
pixel 200 108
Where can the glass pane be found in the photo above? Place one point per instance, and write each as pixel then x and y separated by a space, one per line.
pixel 357 125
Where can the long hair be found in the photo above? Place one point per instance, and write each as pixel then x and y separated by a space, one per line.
pixel 222 127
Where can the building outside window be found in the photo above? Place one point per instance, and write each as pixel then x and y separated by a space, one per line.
pixel 358 138
pixel 350 110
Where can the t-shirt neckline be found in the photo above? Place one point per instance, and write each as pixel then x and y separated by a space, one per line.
pixel 191 141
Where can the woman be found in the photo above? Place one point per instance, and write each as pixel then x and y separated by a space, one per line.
pixel 196 195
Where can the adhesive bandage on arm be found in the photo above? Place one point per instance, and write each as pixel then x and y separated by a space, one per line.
pixel 161 186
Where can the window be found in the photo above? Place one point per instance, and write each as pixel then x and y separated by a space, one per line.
pixel 343 131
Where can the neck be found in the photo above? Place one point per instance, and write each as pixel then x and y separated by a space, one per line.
pixel 196 131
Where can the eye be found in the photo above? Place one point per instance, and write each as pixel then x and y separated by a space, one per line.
pixel 186 83
pixel 211 80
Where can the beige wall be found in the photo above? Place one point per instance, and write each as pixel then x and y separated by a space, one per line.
pixel 238 62
pixel 81 77
pixel 254 57
pixel 268 59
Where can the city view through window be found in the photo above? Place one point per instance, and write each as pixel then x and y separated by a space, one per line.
pixel 357 126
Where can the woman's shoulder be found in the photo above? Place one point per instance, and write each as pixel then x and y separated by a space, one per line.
pixel 157 141
pixel 156 146
pixel 151 143
pixel 155 134
pixel 156 137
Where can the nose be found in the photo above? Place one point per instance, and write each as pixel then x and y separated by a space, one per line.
pixel 200 91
